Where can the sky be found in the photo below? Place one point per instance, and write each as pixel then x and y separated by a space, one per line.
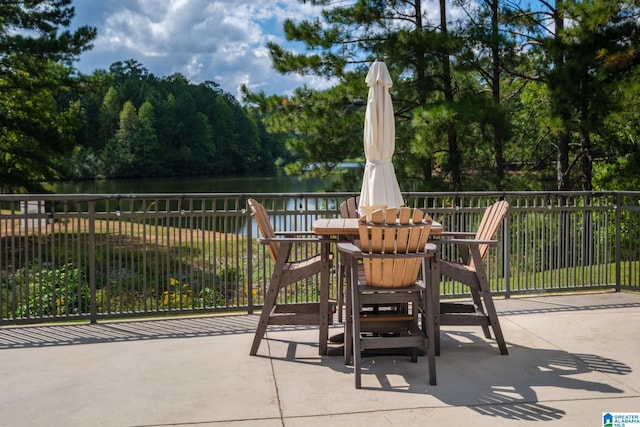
pixel 223 41
pixel 219 40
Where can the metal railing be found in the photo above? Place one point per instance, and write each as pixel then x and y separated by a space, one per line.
pixel 66 257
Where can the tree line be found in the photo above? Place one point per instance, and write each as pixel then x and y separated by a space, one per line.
pixel 134 124
pixel 488 94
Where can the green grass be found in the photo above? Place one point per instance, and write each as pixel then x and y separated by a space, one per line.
pixel 571 278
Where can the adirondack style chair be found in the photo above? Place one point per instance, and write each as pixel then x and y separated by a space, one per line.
pixel 470 271
pixel 287 272
pixel 393 251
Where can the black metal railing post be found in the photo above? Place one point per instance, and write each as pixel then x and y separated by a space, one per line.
pixel 247 214
pixel 618 241
pixel 506 251
pixel 93 307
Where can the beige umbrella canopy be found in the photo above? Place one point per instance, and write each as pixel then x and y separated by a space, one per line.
pixel 380 187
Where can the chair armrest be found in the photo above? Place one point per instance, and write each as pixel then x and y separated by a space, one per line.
pixel 468 248
pixel 294 233
pixel 447 234
pixel 349 248
pixel 310 239
pixel 469 242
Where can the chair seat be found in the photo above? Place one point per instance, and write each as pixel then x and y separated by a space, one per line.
pixel 295 265
pixel 458 272
pixel 448 265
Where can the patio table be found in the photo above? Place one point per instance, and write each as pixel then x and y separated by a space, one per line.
pixel 339 228
pixel 349 227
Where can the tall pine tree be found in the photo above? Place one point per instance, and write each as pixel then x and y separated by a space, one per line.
pixel 36 68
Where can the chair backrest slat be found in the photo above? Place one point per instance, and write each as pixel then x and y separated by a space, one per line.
pixel 418 239
pixel 349 208
pixel 264 226
pixel 490 224
pixel 390 234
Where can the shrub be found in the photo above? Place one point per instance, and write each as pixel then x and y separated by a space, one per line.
pixel 54 293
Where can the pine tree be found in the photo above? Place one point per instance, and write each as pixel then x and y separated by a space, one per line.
pixel 36 68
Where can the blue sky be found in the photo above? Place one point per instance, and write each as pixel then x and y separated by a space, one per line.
pixel 219 40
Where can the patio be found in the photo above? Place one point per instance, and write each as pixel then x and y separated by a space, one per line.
pixel 572 357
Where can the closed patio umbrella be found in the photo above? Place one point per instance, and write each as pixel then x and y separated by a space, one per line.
pixel 380 187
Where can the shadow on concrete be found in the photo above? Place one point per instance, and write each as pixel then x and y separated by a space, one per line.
pixel 473 374
pixel 130 330
pixel 513 307
pixel 507 386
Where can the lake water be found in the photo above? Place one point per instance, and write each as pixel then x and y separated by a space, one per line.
pixel 279 183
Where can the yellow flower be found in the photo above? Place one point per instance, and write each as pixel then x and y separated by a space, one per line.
pixel 165 299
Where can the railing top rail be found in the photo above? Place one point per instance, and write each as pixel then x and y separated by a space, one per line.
pixel 107 196
pixel 96 197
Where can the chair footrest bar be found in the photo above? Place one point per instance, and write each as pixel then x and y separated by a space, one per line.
pixel 300 314
pixel 372 318
pixel 464 319
pixel 393 342
pixel 455 307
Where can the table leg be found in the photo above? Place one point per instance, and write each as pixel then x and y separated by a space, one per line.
pixel 435 295
pixel 352 276
pixel 324 300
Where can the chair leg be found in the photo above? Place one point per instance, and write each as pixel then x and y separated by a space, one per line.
pixel 342 270
pixel 495 323
pixel 323 333
pixel 477 301
pixel 270 296
pixel 269 303
pixel 357 350
pixel 348 324
pixel 432 294
pixel 485 292
pixel 433 340
pixel 414 354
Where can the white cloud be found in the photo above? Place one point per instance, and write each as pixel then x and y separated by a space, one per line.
pixel 220 40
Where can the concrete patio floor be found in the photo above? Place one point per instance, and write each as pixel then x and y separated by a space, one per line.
pixel 572 357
